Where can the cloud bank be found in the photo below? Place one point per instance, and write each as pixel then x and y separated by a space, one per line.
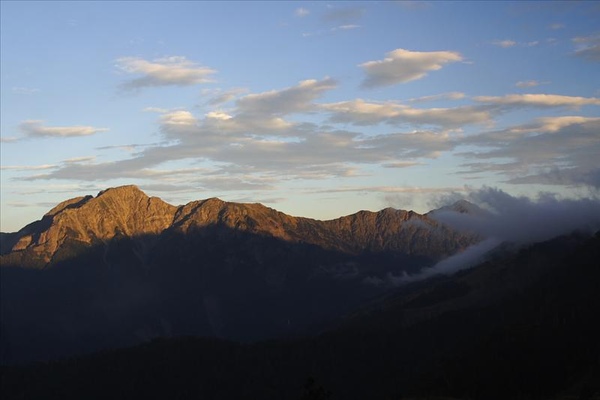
pixel 519 220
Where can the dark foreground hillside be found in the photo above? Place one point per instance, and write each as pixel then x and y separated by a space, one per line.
pixel 521 326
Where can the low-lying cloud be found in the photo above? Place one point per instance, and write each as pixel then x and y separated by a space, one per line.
pixel 505 218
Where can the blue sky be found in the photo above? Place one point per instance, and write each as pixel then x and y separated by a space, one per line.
pixel 316 109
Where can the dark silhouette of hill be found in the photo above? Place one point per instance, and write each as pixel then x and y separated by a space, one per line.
pixel 533 336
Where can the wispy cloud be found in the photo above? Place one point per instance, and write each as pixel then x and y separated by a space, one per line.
pixel 24 90
pixel 511 43
pixel 401 66
pixel 36 128
pixel 588 47
pixel 539 100
pixel 301 12
pixel 344 15
pixel 505 43
pixel 527 84
pixel 360 112
pixel 345 27
pixel 27 167
pixel 218 96
pixel 168 71
pixel 294 99
pixel 441 96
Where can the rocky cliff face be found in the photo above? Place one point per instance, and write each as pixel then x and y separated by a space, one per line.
pixel 128 212
pixel 122 211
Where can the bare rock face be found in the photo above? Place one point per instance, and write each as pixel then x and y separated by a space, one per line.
pixel 122 211
pixel 126 211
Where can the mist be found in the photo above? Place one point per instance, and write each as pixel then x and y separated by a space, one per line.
pixel 505 218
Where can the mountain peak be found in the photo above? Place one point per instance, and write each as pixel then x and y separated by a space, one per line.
pixel 125 190
pixel 461 206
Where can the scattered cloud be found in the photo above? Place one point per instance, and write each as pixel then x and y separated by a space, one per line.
pixel 344 15
pixel 35 128
pixel 527 84
pixel 511 43
pixel 157 110
pixel 218 115
pixel 552 150
pixel 557 26
pixel 294 99
pixel 505 43
pixel 168 71
pixel 539 100
pixel 345 27
pixel 588 47
pixel 219 97
pixel 401 66
pixel 301 12
pixel 27 167
pixel 360 112
pixel 441 96
pixel 24 90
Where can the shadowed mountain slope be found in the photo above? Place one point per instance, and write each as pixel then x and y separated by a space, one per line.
pixel 121 268
pixel 536 338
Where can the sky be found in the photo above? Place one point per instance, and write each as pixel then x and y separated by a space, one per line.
pixel 316 109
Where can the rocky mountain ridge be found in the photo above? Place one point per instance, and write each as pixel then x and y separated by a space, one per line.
pixel 127 211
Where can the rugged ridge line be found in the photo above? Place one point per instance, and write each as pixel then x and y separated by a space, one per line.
pixel 127 211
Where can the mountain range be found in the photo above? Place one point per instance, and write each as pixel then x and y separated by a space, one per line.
pixel 121 267
pixel 122 295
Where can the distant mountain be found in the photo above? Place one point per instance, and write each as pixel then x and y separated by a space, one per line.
pixel 121 267
pixel 128 212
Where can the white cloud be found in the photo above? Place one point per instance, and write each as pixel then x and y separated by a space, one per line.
pixel 301 12
pixel 168 71
pixel 220 97
pixel 35 128
pixel 441 96
pixel 345 27
pixel 526 84
pixel 157 110
pixel 556 26
pixel 400 66
pixel 505 43
pixel 360 112
pixel 218 115
pixel 27 167
pixel 24 90
pixel 178 118
pixel 539 100
pixel 286 101
pixel 588 47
